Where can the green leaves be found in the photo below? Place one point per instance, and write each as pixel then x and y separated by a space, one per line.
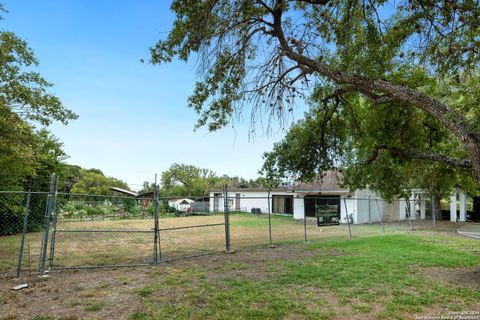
pixel 92 182
pixel 387 81
pixel 24 91
pixel 375 144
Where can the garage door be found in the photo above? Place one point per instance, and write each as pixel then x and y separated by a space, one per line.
pixel 312 202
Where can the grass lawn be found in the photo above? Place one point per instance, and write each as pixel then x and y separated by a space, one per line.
pixel 392 276
pixel 112 248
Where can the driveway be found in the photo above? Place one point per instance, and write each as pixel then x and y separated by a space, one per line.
pixel 471 230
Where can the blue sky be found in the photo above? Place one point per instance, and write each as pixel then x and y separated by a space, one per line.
pixel 134 120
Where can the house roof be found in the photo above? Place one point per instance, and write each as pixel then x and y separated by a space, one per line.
pixel 184 201
pixel 128 192
pixel 145 194
pixel 329 182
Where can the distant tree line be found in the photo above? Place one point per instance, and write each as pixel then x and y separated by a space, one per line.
pixel 189 180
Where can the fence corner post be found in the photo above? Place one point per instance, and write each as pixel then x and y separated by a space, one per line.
pixel 54 227
pixel 156 237
pixel 46 227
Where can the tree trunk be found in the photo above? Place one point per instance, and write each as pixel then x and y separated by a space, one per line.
pixel 436 209
pixel 476 208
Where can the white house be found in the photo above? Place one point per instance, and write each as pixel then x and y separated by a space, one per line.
pixel 181 205
pixel 302 199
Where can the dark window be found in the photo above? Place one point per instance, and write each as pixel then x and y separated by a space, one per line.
pixel 312 202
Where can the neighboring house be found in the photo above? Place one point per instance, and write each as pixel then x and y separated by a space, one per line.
pixel 302 199
pixel 143 199
pixel 181 205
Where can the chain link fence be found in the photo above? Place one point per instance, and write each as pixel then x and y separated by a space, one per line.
pixel 42 231
pixel 22 216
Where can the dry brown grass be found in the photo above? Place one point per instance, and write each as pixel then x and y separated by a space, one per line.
pixel 112 248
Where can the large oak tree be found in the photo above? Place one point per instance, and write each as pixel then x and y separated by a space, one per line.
pixel 268 53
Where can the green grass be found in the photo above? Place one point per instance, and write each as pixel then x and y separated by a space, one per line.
pixel 372 277
pixel 93 306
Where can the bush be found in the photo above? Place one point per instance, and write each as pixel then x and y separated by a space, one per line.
pixel 12 211
pixel 131 206
pixel 151 210
pixel 165 208
pixel 92 211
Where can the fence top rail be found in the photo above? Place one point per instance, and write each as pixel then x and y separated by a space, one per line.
pixel 23 192
pixel 103 196
pixel 311 196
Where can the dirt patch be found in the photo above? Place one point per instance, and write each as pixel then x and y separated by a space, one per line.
pixel 113 293
pixel 255 263
pixel 462 277
pixel 104 294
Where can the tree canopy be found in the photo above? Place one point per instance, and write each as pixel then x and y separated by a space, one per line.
pixel 25 91
pixel 27 155
pixel 94 182
pixel 347 140
pixel 415 60
pixel 188 180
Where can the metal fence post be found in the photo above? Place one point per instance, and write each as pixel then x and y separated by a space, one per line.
pixel 46 226
pixel 379 215
pixel 409 213
pixel 24 233
pixel 54 226
pixel 348 218
pixel 305 240
pixel 156 237
pixel 270 243
pixel 226 215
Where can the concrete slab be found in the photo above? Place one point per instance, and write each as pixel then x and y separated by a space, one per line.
pixel 471 230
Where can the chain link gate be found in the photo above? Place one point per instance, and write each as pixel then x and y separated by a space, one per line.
pixel 91 231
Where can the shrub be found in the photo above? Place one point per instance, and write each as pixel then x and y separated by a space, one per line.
pixel 92 211
pixel 151 210
pixel 131 206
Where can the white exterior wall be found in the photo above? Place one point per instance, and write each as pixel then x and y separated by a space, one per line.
pixel 463 207
pixel 402 209
pixel 298 207
pixel 256 199
pixel 423 208
pixel 367 209
pixel 249 200
pixel 214 199
pixel 413 207
pixel 350 208
pixel 453 207
pixel 359 209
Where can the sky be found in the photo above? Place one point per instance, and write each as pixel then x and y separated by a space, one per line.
pixel 133 117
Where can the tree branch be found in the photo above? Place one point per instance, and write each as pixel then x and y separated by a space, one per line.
pixel 417 154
